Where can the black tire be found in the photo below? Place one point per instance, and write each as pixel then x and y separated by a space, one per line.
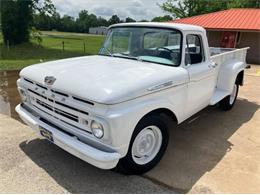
pixel 127 165
pixel 225 104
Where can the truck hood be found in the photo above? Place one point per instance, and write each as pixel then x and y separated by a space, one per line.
pixel 104 79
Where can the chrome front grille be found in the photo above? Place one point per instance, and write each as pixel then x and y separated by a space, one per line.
pixel 58 111
pixel 57 104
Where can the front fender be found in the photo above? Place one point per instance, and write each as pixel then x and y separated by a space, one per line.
pixel 124 117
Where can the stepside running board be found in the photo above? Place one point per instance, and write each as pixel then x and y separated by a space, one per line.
pixel 218 95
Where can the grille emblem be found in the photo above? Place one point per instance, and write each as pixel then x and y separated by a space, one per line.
pixel 49 80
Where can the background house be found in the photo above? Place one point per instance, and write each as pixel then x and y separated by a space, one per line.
pixel 234 28
pixel 102 30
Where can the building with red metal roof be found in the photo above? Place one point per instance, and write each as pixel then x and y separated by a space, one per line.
pixel 231 28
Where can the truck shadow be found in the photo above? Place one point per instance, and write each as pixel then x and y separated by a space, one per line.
pixel 197 146
pixel 79 177
pixel 194 149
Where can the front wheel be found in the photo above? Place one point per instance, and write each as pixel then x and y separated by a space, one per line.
pixel 147 146
pixel 228 102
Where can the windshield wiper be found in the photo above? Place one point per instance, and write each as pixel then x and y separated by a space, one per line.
pixel 130 57
pixel 122 55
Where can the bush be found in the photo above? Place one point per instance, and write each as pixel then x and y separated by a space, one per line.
pixel 36 35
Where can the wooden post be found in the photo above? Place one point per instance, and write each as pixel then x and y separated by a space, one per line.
pixel 8 45
pixel 84 47
pixel 1 53
pixel 63 46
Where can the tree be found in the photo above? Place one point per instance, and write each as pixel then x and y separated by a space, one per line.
pixel 102 21
pixel 81 21
pixel 55 21
pixel 128 19
pixel 47 22
pixel 179 9
pixel 92 21
pixel 162 18
pixel 15 23
pixel 86 20
pixel 68 24
pixel 144 21
pixel 43 6
pixel 188 8
pixel 244 4
pixel 17 16
pixel 114 20
pixel 7 21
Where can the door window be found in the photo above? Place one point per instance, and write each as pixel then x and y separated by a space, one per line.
pixel 194 50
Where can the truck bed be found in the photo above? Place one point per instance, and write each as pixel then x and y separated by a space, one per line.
pixel 221 55
pixel 219 50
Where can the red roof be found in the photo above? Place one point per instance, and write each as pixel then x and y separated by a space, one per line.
pixel 233 19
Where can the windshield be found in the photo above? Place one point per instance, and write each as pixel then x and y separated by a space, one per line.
pixel 162 46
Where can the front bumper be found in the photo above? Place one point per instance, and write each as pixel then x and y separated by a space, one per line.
pixel 98 158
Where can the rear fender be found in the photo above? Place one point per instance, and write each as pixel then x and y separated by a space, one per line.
pixel 228 74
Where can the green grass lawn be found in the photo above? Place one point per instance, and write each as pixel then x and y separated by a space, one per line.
pixel 19 56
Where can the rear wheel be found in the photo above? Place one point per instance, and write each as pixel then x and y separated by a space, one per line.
pixel 147 146
pixel 228 102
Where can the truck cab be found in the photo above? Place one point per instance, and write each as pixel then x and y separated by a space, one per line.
pixel 113 109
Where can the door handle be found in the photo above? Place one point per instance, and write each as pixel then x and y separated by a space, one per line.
pixel 213 65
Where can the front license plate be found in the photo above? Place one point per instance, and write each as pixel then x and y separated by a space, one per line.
pixel 47 134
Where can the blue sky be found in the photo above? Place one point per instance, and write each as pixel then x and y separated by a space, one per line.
pixel 137 9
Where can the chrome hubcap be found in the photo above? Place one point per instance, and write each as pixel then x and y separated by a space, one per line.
pixel 146 145
pixel 233 95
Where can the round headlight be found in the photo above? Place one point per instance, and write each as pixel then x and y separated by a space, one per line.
pixel 23 95
pixel 97 129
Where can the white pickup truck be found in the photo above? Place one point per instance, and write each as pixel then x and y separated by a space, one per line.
pixel 111 110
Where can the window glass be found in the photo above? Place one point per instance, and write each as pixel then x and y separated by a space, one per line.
pixel 174 39
pixel 194 50
pixel 161 39
pixel 120 42
pixel 154 39
pixel 156 45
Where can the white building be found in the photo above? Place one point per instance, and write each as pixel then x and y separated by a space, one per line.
pixel 102 30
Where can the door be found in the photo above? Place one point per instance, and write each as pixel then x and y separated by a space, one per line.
pixel 201 73
pixel 228 39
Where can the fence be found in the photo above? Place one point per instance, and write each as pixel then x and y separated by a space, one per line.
pixel 62 46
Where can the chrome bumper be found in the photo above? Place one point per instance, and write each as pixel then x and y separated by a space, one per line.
pixel 98 158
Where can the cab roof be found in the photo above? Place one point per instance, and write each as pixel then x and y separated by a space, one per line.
pixel 181 27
